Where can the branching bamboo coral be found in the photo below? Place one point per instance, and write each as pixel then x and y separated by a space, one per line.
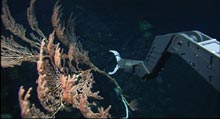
pixel 61 81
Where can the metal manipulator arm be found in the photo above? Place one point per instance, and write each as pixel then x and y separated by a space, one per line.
pixel 200 51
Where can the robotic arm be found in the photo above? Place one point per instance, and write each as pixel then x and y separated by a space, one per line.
pixel 200 51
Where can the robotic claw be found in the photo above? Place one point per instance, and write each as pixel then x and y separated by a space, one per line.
pixel 200 51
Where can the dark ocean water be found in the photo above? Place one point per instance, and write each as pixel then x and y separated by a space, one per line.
pixel 128 26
